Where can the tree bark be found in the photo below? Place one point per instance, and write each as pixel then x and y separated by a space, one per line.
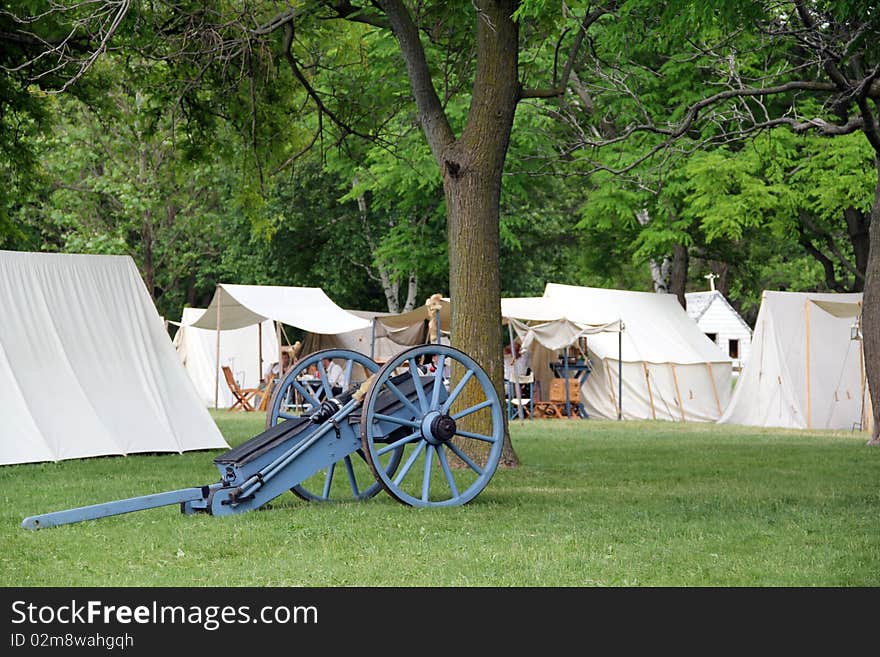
pixel 472 170
pixel 871 312
pixel 412 292
pixel 471 166
pixel 659 269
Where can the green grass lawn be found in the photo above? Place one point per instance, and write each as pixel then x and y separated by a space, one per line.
pixel 594 503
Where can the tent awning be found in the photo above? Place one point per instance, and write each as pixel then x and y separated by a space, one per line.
pixel 306 308
pixel 550 324
pixel 544 309
pixel 420 314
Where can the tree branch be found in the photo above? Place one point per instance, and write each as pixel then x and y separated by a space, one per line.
pixel 558 87
pixel 827 265
pixel 829 240
pixel 434 121
pixel 354 14
pixel 298 74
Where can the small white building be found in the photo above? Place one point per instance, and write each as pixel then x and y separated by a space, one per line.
pixel 721 324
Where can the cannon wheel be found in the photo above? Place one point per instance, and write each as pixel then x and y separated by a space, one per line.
pixel 295 397
pixel 429 425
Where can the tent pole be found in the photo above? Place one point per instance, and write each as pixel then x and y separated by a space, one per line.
pixel 217 359
pixel 567 396
pixel 714 388
pixel 650 394
pixel 862 423
pixel 260 351
pixel 620 372
pixel 610 384
pixel 437 315
pixel 278 337
pixel 517 388
pixel 285 336
pixel 807 330
pixel 373 340
pixel 677 392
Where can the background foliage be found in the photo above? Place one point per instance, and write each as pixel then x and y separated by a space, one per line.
pixel 210 164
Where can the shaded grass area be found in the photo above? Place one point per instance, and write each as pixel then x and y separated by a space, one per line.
pixel 593 503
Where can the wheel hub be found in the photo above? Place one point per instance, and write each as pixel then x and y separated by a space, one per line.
pixel 438 428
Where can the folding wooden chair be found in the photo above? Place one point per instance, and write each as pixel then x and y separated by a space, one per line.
pixel 242 396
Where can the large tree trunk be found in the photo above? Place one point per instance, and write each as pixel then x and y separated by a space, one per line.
pixel 871 312
pixel 472 170
pixel 471 166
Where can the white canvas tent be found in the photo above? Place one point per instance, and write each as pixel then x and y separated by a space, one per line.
pixel 805 371
pixel 244 350
pixel 306 308
pixel 86 366
pixel 670 370
pixel 546 327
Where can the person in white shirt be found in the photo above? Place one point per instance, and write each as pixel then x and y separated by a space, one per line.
pixel 521 365
pixel 335 375
pixel 273 371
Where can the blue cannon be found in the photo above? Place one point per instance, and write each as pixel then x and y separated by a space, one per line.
pixel 431 405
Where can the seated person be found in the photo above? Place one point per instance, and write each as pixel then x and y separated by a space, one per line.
pixel 335 375
pixel 272 371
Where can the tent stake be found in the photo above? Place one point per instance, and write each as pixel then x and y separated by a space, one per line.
pixel 280 349
pixel 567 396
pixel 620 372
pixel 260 351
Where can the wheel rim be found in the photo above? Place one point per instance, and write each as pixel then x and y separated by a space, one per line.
pixel 419 415
pixel 297 396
